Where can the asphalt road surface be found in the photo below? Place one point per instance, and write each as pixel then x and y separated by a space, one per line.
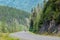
pixel 29 36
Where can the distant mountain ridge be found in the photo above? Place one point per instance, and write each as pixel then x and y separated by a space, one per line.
pixel 9 15
pixel 12 19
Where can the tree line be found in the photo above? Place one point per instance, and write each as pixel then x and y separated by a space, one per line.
pixel 46 19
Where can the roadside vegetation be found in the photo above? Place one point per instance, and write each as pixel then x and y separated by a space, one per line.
pixel 5 36
pixel 46 19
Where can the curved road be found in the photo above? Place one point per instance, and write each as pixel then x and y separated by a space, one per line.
pixel 29 36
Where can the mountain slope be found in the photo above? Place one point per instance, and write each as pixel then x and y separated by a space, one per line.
pixel 12 17
pixel 8 14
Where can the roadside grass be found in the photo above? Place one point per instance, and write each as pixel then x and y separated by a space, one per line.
pixel 51 34
pixel 5 36
pixel 47 34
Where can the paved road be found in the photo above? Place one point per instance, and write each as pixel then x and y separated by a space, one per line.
pixel 29 36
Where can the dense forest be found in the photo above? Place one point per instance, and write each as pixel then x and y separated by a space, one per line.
pixel 12 19
pixel 46 18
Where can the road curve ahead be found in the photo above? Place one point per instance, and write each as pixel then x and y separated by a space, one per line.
pixel 29 36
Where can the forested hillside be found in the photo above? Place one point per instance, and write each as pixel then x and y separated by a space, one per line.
pixel 48 19
pixel 12 19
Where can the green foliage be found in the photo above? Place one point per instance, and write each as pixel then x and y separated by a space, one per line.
pixel 50 11
pixel 11 19
pixel 35 19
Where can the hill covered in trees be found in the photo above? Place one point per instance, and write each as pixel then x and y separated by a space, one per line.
pixel 12 18
pixel 47 19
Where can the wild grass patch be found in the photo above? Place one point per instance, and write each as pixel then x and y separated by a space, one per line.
pixel 5 36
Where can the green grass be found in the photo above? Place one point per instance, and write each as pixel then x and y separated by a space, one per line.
pixel 51 34
pixel 4 36
pixel 47 34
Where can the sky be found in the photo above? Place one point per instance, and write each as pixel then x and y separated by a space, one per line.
pixel 26 5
